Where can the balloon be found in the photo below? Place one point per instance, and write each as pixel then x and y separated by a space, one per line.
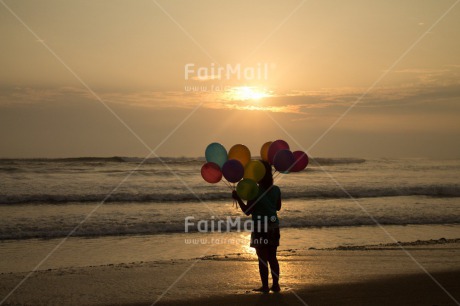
pixel 240 152
pixel 247 189
pixel 216 153
pixel 264 150
pixel 284 160
pixel 254 170
pixel 233 170
pixel 274 148
pixel 301 161
pixel 211 173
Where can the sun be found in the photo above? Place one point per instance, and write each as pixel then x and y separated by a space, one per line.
pixel 244 93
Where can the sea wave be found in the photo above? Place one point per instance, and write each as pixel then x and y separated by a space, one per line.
pixel 395 245
pixel 113 159
pixel 157 160
pixel 336 161
pixel 331 193
pixel 100 228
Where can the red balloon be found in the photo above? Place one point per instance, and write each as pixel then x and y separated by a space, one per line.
pixel 283 161
pixel 301 161
pixel 211 173
pixel 233 170
pixel 274 148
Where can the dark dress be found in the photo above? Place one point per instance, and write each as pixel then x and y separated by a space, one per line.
pixel 266 231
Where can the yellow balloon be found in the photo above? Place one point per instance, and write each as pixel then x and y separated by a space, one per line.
pixel 264 150
pixel 254 170
pixel 241 153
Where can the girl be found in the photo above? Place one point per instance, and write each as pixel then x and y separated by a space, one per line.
pixel 265 234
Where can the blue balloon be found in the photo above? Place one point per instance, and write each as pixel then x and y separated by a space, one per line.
pixel 216 153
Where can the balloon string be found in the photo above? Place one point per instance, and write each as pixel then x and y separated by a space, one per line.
pixel 236 203
pixel 232 188
pixel 227 184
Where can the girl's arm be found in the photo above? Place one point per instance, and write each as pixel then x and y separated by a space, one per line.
pixel 278 204
pixel 246 208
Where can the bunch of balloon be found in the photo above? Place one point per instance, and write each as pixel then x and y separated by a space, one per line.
pixel 279 155
pixel 241 173
pixel 236 167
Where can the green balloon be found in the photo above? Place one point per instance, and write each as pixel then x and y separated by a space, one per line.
pixel 247 189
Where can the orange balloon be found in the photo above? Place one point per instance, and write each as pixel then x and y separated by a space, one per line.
pixel 241 153
pixel 264 150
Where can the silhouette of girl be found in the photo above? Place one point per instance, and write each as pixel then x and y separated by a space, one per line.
pixel 265 235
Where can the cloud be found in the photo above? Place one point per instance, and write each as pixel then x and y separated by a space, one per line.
pixel 34 95
pixel 15 95
pixel 206 78
pixel 435 87
pixel 438 88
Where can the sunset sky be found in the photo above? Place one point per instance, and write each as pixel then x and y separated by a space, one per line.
pixel 78 78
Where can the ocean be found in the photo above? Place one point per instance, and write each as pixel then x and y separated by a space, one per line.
pixel 334 202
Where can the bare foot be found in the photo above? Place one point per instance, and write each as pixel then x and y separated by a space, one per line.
pixel 262 289
pixel 275 288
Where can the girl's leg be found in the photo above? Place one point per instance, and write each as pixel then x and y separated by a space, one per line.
pixel 262 254
pixel 274 267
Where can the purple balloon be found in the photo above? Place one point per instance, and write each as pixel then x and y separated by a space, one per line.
pixel 283 160
pixel 233 170
pixel 274 148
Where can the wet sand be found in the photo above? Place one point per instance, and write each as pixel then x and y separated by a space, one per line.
pixel 372 276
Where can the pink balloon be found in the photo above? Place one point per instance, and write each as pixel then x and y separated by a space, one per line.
pixel 211 173
pixel 301 161
pixel 283 161
pixel 274 148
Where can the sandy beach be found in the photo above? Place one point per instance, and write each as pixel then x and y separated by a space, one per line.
pixel 379 275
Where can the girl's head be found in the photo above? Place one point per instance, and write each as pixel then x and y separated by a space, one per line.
pixel 267 180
